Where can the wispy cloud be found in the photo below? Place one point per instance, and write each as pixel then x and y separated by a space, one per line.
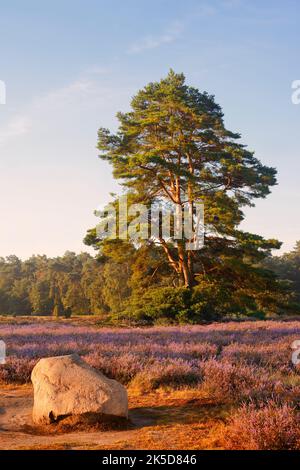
pixel 75 90
pixel 60 109
pixel 152 42
pixel 22 123
pixel 17 126
pixel 97 69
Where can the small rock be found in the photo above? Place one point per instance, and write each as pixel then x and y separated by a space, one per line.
pixel 67 386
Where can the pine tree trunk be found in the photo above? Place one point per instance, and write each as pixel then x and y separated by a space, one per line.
pixel 186 267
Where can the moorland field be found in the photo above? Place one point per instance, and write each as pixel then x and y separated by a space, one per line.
pixel 220 386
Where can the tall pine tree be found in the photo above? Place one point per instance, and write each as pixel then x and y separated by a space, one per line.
pixel 172 147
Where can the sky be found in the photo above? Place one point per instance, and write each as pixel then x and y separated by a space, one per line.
pixel 70 65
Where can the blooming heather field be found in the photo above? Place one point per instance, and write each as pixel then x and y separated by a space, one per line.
pixel 244 368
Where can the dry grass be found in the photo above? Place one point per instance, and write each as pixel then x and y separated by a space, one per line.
pixel 174 420
pixel 87 422
pixel 182 419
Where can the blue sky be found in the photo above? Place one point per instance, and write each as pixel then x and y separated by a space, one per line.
pixel 69 66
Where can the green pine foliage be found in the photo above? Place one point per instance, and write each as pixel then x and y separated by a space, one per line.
pixel 171 145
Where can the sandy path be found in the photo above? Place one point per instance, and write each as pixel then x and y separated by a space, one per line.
pixel 15 413
pixel 179 419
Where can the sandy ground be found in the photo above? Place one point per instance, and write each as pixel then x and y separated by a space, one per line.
pixel 15 421
pixel 162 420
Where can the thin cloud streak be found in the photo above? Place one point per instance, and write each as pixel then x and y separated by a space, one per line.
pixel 17 126
pixel 153 42
pixel 47 109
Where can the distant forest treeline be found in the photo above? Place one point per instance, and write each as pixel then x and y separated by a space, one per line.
pixel 51 286
pixel 81 284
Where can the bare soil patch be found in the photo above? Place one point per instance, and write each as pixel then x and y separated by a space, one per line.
pixel 176 420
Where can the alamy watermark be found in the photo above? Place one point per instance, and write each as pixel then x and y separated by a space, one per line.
pixel 2 92
pixel 162 222
pixel 2 352
pixel 296 93
pixel 296 352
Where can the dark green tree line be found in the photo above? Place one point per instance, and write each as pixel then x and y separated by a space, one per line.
pixel 71 284
pixel 135 283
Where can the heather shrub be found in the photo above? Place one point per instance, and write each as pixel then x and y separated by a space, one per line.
pixel 189 350
pixel 17 370
pixel 269 427
pixel 119 367
pixel 233 382
pixel 270 355
pixel 177 374
pixel 239 360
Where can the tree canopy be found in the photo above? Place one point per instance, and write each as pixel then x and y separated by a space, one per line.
pixel 173 147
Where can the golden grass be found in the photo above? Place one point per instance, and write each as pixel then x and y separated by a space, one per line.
pixel 182 419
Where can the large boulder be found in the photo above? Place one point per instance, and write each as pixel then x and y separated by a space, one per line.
pixel 66 385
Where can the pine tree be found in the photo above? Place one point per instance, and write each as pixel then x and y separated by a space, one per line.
pixel 174 144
